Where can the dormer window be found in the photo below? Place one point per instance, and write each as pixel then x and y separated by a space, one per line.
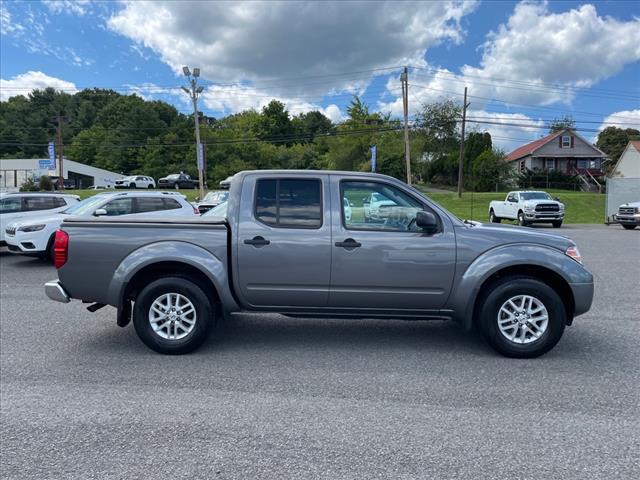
pixel 566 141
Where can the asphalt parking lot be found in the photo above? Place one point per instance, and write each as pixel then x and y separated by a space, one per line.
pixel 273 397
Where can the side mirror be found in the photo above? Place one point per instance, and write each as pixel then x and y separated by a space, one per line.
pixel 426 221
pixel 197 199
pixel 100 212
pixel 557 199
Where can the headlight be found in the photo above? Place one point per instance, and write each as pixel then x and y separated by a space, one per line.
pixel 529 208
pixel 562 207
pixel 32 228
pixel 574 253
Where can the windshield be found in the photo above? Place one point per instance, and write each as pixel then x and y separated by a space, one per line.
pixel 535 196
pixel 219 211
pixel 173 177
pixel 85 206
pixel 216 197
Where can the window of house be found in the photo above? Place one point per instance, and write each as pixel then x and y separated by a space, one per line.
pixel 566 141
pixel 289 202
pixel 549 164
pixel 523 165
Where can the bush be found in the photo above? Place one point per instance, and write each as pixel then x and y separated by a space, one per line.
pixel 548 179
pixel 29 186
pixel 45 183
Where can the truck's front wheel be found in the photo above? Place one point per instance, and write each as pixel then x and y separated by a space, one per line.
pixel 172 316
pixel 522 317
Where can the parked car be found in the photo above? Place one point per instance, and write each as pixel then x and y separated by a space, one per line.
pixel 628 215
pixel 23 205
pixel 373 205
pixel 219 211
pixel 69 183
pixel 527 207
pixel 34 236
pixel 135 181
pixel 177 180
pixel 212 200
pixel 284 246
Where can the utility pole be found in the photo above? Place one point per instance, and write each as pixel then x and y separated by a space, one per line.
pixel 404 80
pixel 193 92
pixel 461 157
pixel 59 119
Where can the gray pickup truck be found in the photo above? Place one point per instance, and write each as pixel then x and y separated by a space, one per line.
pixel 299 243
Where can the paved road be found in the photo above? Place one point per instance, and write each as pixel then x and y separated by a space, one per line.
pixel 273 397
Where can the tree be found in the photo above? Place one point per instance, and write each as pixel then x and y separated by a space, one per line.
pixel 613 140
pixel 274 124
pixel 562 123
pixel 490 170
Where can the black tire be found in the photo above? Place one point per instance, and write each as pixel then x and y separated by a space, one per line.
pixel 556 224
pixel 48 254
pixel 133 186
pixel 506 288
pixel 150 186
pixel 628 227
pixel 204 319
pixel 493 218
pixel 521 221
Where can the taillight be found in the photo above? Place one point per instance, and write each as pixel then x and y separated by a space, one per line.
pixel 60 248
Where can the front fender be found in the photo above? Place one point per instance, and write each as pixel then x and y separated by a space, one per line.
pixel 492 261
pixel 172 251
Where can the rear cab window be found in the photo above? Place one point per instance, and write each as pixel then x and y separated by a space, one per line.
pixel 289 202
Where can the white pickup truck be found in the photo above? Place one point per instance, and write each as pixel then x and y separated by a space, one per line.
pixel 528 207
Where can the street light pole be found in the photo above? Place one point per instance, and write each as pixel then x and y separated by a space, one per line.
pixel 193 92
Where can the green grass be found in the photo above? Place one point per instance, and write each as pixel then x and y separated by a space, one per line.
pixel 581 207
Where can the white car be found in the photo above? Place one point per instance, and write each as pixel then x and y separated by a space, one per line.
pixel 35 235
pixel 23 205
pixel 372 204
pixel 347 208
pixel 135 181
pixel 527 207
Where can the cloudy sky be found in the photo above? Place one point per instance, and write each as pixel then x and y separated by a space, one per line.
pixel 524 63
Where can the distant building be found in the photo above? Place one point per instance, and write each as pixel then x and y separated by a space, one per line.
pixel 16 171
pixel 563 151
pixel 628 165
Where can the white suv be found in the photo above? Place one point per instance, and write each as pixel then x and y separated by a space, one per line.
pixel 35 235
pixel 19 206
pixel 136 181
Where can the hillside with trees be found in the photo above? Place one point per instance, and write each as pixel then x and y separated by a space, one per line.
pixel 131 135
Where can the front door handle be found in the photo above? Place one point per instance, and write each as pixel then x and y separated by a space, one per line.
pixel 349 243
pixel 257 241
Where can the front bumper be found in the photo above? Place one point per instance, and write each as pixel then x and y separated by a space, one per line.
pixel 23 242
pixel 55 291
pixel 582 297
pixel 544 216
pixel 628 219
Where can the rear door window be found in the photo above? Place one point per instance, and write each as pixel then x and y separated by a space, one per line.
pixel 171 204
pixel 289 202
pixel 39 203
pixel 149 204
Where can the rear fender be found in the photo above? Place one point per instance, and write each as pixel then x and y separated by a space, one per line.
pixel 212 267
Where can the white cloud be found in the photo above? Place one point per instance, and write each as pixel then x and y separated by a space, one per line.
pixel 8 26
pixel 624 119
pixel 236 98
pixel 257 41
pixel 576 48
pixel 24 83
pixel 75 7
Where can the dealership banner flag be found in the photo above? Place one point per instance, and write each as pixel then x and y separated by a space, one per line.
pixel 52 156
pixel 374 155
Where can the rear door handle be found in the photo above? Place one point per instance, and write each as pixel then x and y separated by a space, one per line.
pixel 348 244
pixel 257 241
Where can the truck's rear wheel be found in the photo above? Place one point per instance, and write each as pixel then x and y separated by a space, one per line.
pixel 522 317
pixel 493 218
pixel 172 316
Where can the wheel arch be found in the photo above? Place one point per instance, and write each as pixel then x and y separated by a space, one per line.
pixel 536 261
